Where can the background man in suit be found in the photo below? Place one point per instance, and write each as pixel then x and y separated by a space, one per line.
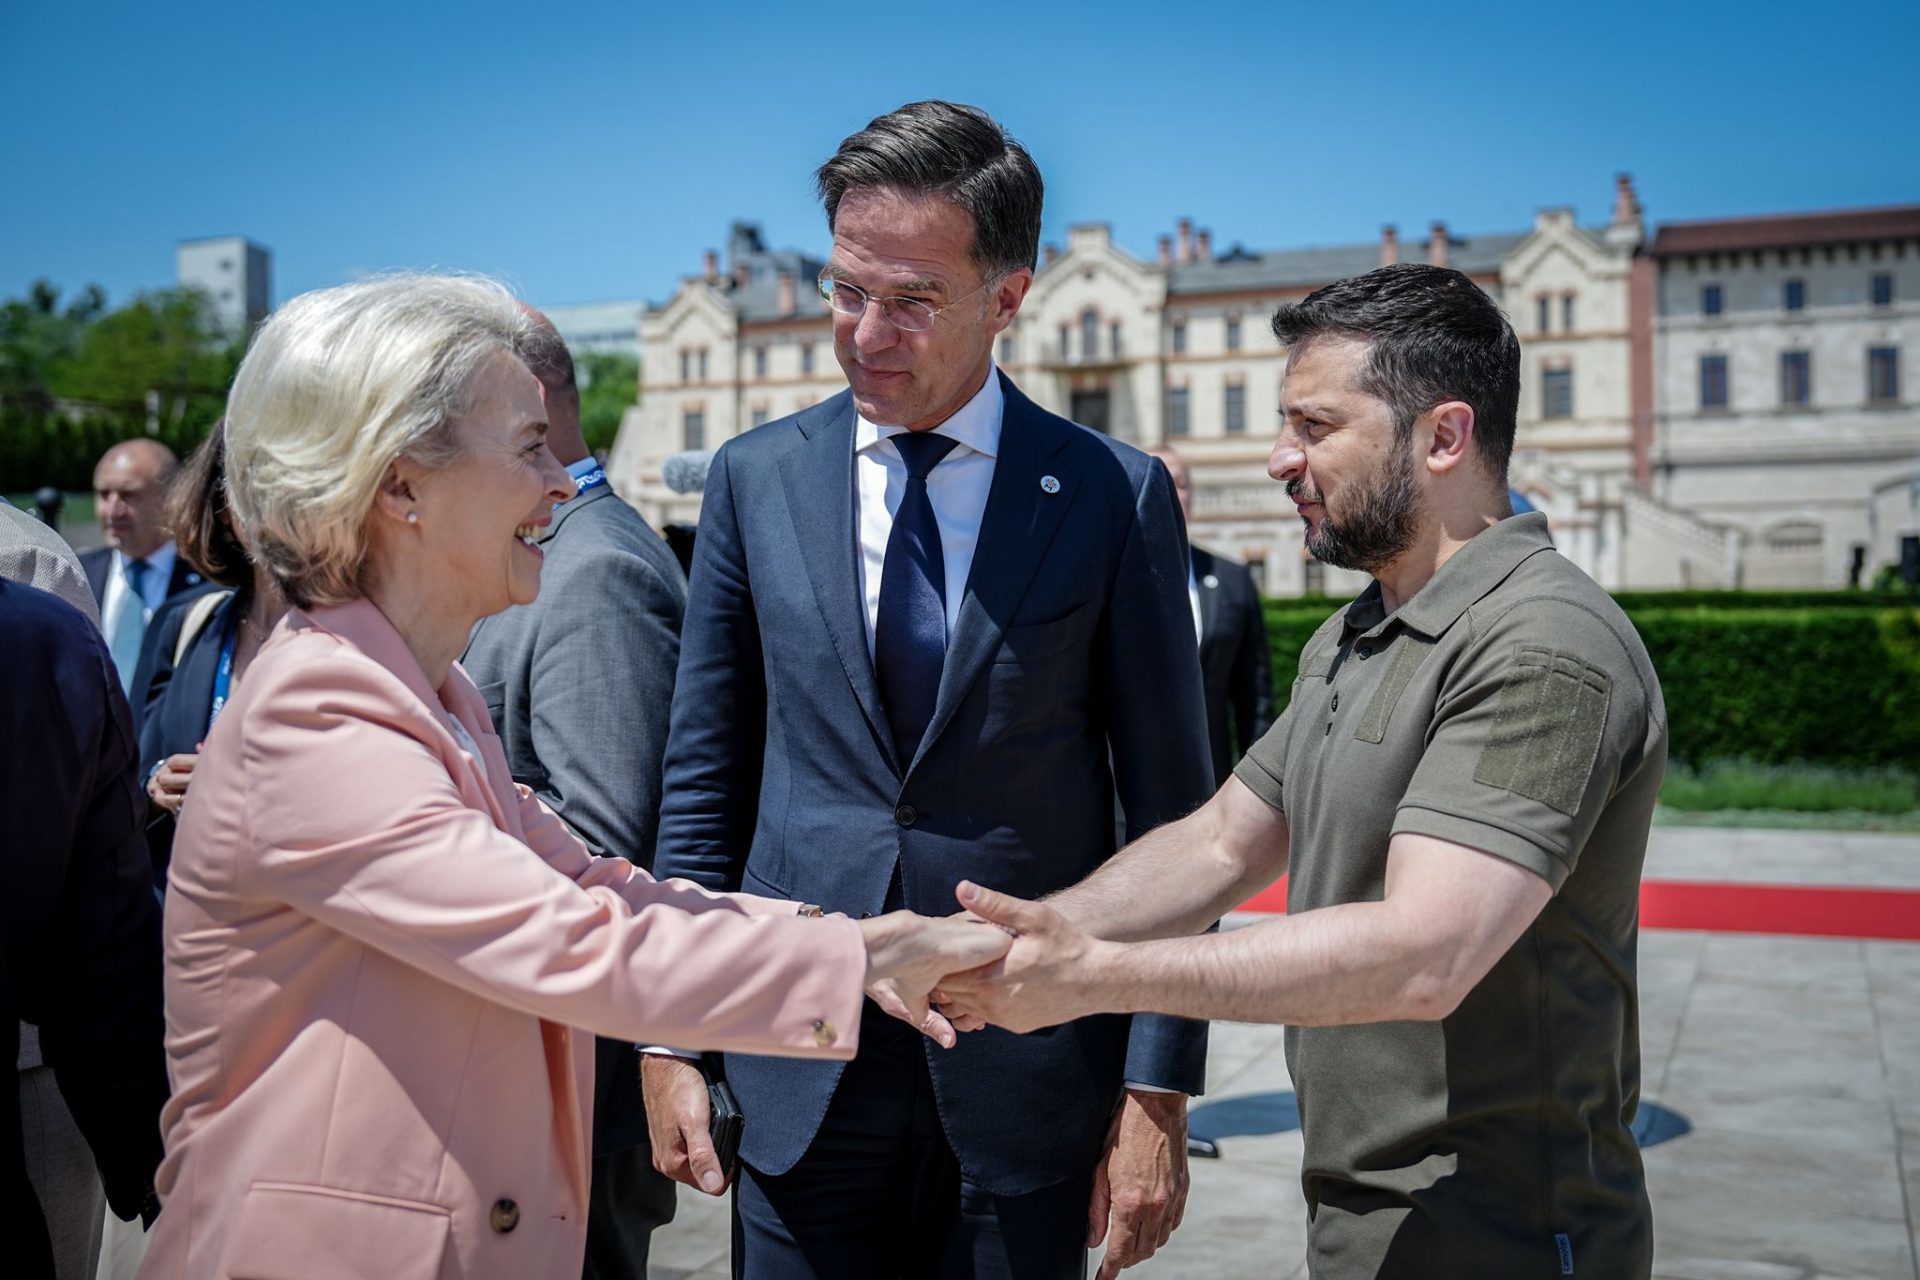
pixel 1235 669
pixel 931 629
pixel 79 944
pixel 137 570
pixel 579 684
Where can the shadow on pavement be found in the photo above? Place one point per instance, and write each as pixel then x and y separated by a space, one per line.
pixel 1257 1114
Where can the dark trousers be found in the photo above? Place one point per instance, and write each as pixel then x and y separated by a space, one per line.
pixel 629 1198
pixel 880 1196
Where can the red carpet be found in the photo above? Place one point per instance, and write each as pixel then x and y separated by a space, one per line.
pixel 1811 910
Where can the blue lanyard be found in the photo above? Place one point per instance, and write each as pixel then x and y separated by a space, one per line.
pixel 587 483
pixel 223 674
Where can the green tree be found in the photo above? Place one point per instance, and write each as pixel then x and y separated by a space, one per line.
pixel 74 380
pixel 609 386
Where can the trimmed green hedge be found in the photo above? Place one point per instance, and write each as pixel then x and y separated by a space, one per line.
pixel 1835 682
pixel 1635 601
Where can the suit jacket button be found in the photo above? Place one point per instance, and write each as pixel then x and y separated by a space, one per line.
pixel 906 815
pixel 823 1033
pixel 505 1216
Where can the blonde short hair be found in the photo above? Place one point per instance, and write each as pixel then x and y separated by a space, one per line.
pixel 338 384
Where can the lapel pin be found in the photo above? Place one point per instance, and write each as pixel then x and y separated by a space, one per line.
pixel 1210 581
pixel 1049 485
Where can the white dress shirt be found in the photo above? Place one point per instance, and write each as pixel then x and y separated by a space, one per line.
pixel 124 615
pixel 957 488
pixel 1193 598
pixel 153 587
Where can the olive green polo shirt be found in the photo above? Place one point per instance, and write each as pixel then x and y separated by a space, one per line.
pixel 1508 706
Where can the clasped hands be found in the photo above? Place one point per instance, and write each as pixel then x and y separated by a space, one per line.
pixel 1005 961
pixel 1051 972
pixel 1002 960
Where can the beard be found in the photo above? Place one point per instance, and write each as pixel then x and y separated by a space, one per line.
pixel 1380 520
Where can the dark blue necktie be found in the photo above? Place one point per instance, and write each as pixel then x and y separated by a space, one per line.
pixel 910 634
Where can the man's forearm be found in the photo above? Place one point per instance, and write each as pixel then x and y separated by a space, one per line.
pixel 1334 966
pixel 1179 878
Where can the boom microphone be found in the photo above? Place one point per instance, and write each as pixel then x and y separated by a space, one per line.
pixel 686 472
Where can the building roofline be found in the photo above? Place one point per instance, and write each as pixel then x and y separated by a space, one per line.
pixel 1786 230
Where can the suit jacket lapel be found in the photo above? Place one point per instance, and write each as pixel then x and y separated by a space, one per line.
pixel 818 478
pixel 1016 529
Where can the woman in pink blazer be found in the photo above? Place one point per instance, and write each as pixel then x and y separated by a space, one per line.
pixel 384 958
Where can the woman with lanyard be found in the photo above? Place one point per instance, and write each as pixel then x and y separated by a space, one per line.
pixel 200 645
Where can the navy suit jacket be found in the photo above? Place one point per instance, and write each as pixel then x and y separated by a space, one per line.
pixel 1234 666
pixel 1072 671
pixel 177 698
pixel 79 922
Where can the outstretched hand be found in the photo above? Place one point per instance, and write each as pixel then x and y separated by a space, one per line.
pixel 1045 977
pixel 907 954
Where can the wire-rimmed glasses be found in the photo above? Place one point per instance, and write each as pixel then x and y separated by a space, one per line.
pixel 909 315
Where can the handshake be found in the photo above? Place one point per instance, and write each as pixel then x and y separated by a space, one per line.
pixel 1001 961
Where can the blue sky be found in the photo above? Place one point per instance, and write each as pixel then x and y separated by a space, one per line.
pixel 591 151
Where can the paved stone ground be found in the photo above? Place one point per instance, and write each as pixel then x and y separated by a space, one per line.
pixel 1795 1062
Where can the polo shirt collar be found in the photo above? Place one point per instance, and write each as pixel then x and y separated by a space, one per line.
pixel 1472 571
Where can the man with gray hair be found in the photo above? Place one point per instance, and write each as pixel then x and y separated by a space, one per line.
pixel 579 684
pixel 1007 645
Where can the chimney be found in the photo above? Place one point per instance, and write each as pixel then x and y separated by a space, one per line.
pixel 1437 245
pixel 1628 230
pixel 1166 251
pixel 786 293
pixel 712 262
pixel 1203 246
pixel 1186 241
pixel 1389 245
pixel 1048 252
pixel 1626 203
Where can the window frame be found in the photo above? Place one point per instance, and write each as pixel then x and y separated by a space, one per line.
pixel 1716 361
pixel 1885 358
pixel 1178 424
pixel 1796 365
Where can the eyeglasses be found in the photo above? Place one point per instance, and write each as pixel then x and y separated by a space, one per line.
pixel 909 315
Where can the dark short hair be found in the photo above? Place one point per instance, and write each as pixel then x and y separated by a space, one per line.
pixel 1432 335
pixel 198 518
pixel 957 153
pixel 545 353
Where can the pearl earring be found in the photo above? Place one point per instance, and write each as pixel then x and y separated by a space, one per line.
pixel 413 517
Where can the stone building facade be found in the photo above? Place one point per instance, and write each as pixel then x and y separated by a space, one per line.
pixel 1634 476
pixel 1787 416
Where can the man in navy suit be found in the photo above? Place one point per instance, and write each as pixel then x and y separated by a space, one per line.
pixel 137 570
pixel 932 630
pixel 1235 668
pixel 79 939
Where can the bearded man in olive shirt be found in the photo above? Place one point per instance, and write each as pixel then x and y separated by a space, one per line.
pixel 1461 788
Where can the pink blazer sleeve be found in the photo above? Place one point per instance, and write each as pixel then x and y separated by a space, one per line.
pixel 554 841
pixel 356 820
